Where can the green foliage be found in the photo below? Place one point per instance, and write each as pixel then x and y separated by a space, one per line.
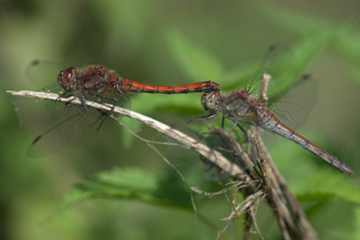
pixel 119 19
pixel 196 62
pixel 357 213
pixel 342 38
pixel 287 71
pixel 310 182
pixel 146 104
pixel 133 184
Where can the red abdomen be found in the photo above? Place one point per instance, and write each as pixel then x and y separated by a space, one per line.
pixel 134 86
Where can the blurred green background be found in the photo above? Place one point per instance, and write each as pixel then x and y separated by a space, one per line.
pixel 79 183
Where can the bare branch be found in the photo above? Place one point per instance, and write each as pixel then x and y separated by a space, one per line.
pixel 265 80
pixel 290 216
pixel 244 206
pixel 213 156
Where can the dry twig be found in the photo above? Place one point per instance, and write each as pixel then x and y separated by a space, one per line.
pixel 214 156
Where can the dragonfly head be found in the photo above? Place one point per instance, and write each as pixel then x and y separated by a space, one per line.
pixel 67 78
pixel 212 86
pixel 211 101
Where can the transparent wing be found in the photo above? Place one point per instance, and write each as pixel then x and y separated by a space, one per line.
pixel 295 105
pixel 42 74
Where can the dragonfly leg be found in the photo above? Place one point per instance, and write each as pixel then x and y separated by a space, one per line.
pixel 103 116
pixel 73 97
pixel 243 130
pixel 223 121
pixel 208 116
pixel 111 100
pixel 83 103
pixel 101 119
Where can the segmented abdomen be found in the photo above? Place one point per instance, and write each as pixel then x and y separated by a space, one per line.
pixel 272 123
pixel 135 86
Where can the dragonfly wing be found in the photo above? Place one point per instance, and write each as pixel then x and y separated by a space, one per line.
pixel 295 105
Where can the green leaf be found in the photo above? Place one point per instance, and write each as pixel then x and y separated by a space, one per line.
pixel 355 74
pixel 340 227
pixel 344 38
pixel 145 104
pixel 299 23
pixel 287 71
pixel 131 125
pixel 133 184
pixel 347 43
pixel 119 19
pixel 196 62
pixel 326 182
pixel 357 223
pixel 242 77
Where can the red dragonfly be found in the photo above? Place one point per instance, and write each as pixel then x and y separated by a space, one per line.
pixel 100 82
pixel 241 106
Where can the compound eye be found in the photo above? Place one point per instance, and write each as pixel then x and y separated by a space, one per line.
pixel 68 73
pixel 60 76
pixel 65 78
